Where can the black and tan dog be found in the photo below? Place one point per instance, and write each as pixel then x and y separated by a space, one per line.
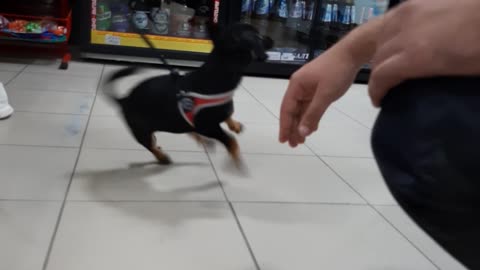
pixel 197 102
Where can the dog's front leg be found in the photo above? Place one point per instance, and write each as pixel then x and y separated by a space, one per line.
pixel 234 125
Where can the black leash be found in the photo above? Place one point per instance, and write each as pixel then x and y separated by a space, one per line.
pixel 143 35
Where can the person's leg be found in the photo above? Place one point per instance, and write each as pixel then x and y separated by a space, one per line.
pixel 427 145
pixel 5 109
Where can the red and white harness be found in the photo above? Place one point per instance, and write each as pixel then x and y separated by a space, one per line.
pixel 190 103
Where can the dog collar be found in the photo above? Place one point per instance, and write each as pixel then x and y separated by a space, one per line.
pixel 190 103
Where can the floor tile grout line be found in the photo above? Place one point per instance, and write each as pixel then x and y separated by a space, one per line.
pixel 216 201
pixel 91 93
pixel 62 207
pixel 381 215
pixel 16 75
pixel 351 118
pixel 39 146
pixel 406 238
pixel 51 113
pixel 234 214
pixel 72 74
pixel 244 235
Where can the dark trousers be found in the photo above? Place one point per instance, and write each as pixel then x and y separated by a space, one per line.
pixel 426 142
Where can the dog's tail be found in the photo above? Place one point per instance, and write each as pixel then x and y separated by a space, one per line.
pixel 108 84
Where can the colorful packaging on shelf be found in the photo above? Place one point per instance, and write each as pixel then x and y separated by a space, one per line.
pixel 33 27
pixel 3 22
pixel 17 26
pixel 104 17
pixel 120 13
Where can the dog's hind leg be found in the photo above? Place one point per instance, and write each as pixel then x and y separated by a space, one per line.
pixel 234 125
pixel 216 132
pixel 149 141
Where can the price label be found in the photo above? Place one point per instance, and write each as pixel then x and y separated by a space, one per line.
pixel 288 57
pixel 274 56
pixel 112 40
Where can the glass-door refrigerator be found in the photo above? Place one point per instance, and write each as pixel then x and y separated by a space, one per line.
pixel 289 23
pixel 303 29
pixel 177 29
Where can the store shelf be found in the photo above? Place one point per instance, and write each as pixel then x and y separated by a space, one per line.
pixel 160 42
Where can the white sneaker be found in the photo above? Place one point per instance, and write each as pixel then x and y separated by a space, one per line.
pixel 5 109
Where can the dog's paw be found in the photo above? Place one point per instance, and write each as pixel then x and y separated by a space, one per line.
pixel 165 160
pixel 238 128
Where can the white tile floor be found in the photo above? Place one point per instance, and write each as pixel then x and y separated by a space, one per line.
pixel 77 192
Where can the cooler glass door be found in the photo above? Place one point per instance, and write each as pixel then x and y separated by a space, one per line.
pixel 177 26
pixel 336 18
pixel 287 22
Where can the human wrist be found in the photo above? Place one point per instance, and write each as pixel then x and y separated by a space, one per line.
pixel 361 43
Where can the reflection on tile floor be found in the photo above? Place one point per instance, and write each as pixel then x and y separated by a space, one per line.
pixel 77 192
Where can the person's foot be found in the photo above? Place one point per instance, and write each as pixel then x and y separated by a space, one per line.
pixel 5 109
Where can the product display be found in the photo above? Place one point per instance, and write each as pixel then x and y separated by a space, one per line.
pixel 43 31
pixel 178 25
pixel 3 22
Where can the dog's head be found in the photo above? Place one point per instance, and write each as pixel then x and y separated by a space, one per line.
pixel 241 40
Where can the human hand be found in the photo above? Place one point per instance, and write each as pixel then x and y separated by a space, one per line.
pixel 424 38
pixel 311 90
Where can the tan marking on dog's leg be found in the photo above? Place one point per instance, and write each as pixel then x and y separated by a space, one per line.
pixel 234 125
pixel 158 153
pixel 234 151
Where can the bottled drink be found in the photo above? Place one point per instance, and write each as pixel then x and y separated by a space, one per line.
pixel 353 14
pixel 201 19
pixel 120 12
pixel 335 24
pixel 104 16
pixel 247 6
pixel 181 15
pixel 367 14
pixel 262 8
pixel 140 15
pixel 161 19
pixel 281 9
pixel 347 16
pixel 309 10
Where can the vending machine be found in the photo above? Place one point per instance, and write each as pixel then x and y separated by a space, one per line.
pixel 177 29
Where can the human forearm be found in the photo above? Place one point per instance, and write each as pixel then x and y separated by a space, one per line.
pixel 361 43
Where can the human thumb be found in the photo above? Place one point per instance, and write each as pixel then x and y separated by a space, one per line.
pixel 311 117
